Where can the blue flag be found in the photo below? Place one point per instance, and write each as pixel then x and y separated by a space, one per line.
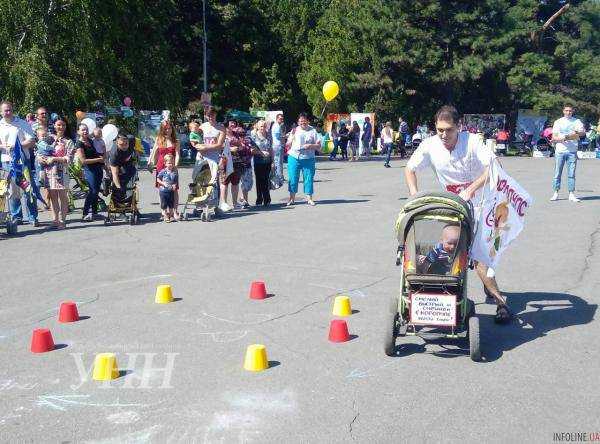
pixel 21 174
pixel 16 164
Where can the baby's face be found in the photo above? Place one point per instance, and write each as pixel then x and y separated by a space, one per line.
pixel 43 135
pixel 98 133
pixel 450 237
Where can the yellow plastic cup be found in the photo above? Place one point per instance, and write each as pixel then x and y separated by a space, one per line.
pixel 105 367
pixel 164 295
pixel 341 306
pixel 256 358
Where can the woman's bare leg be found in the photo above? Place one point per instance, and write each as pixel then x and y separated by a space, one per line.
pixel 54 205
pixel 64 206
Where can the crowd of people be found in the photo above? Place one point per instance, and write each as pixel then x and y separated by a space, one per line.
pixel 243 156
pixel 38 156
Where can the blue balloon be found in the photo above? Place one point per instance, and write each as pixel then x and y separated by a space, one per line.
pixel 54 116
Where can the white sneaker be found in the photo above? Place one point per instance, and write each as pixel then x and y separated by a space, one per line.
pixel 224 207
pixel 238 207
pixel 554 196
pixel 574 198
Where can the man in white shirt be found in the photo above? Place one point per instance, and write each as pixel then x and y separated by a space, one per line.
pixel 12 127
pixel 566 132
pixel 461 163
pixel 278 137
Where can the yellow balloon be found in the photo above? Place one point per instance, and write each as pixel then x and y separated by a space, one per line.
pixel 330 90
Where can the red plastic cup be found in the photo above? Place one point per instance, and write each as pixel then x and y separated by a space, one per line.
pixel 41 341
pixel 68 312
pixel 338 331
pixel 258 290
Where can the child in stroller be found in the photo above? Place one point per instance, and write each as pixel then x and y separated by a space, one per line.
pixel 439 258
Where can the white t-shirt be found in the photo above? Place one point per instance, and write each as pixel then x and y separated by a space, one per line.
pixel 9 133
pixel 456 169
pixel 563 127
pixel 386 135
pixel 303 137
pixel 210 135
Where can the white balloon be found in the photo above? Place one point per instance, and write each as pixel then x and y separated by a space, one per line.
pixel 109 134
pixel 90 123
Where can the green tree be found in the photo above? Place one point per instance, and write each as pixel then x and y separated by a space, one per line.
pixel 272 93
pixel 66 55
pixel 407 56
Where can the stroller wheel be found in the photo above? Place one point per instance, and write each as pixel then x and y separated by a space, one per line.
pixel 11 228
pixel 390 326
pixel 107 220
pixel 474 339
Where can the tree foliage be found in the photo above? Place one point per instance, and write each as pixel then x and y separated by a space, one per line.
pixel 394 57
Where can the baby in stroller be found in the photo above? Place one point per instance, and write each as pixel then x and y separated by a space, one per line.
pixel 440 258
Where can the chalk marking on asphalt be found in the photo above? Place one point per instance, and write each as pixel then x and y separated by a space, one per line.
pixel 140 436
pixel 7 417
pixel 55 401
pixel 357 373
pixel 268 402
pixel 9 384
pixel 79 304
pixel 128 417
pixel 230 321
pixel 222 337
pixel 129 281
pixel 323 300
pixel 48 314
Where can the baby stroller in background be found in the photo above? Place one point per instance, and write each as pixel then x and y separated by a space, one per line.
pixel 502 137
pixel 544 146
pixel 433 291
pixel 204 191
pixel 124 202
pixel 5 217
pixel 415 141
pixel 80 189
pixel 524 144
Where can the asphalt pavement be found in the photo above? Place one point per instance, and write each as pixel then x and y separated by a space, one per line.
pixel 182 378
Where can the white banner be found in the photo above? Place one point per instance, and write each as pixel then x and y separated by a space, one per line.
pixel 502 216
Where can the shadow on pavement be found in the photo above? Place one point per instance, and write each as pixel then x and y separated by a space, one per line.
pixel 340 201
pixel 552 311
